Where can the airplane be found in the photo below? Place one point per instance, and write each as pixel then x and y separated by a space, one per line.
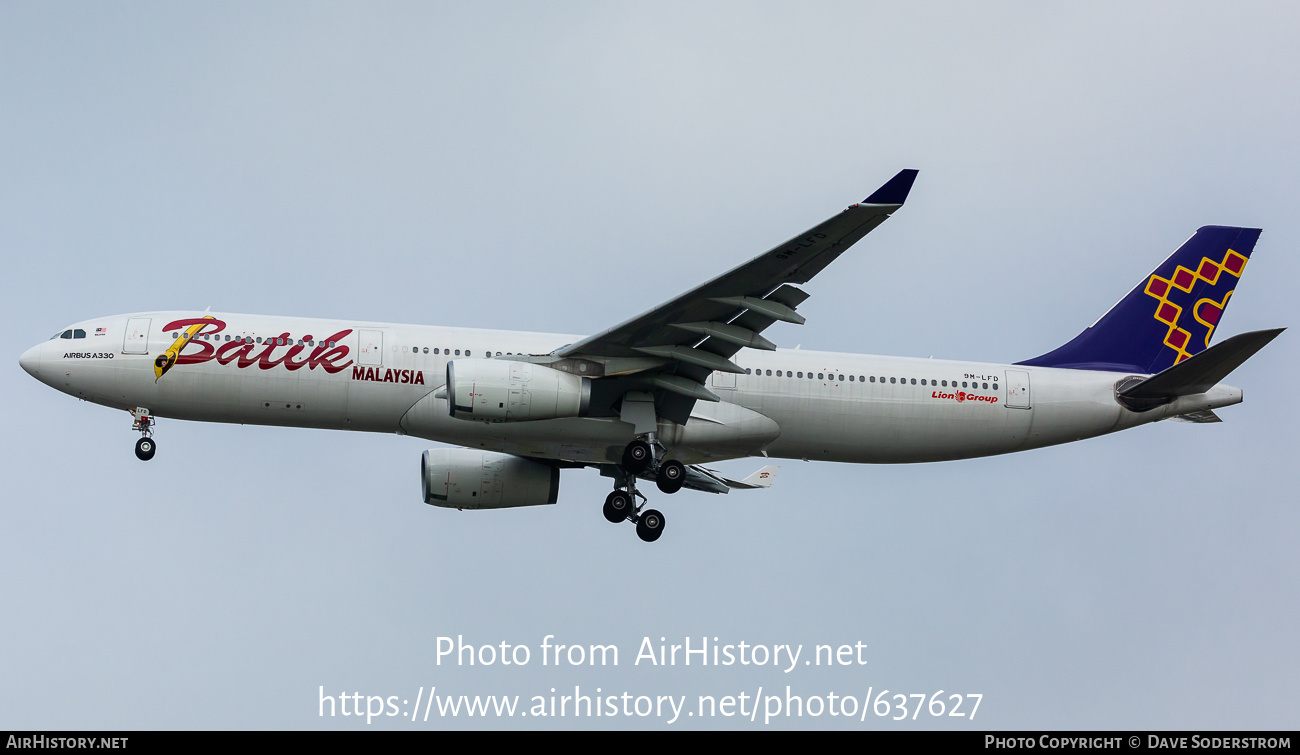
pixel 689 382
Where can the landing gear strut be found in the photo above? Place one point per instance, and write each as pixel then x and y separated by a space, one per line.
pixel 621 505
pixel 143 424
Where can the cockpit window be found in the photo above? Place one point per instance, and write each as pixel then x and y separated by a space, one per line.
pixel 78 333
pixel 66 334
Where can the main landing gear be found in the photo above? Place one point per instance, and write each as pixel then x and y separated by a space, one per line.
pixel 620 505
pixel 143 424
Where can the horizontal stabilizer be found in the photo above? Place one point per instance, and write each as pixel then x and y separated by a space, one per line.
pixel 1200 373
pixel 708 481
pixel 1201 417
pixel 705 480
pixel 763 478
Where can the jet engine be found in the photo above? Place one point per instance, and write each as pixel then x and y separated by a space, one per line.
pixel 505 391
pixel 461 478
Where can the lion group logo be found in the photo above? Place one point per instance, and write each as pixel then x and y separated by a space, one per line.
pixel 1205 311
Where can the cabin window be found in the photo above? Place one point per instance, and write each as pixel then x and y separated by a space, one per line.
pixel 986 386
pixel 850 378
pixel 913 381
pixel 458 352
pixel 426 349
pixel 893 380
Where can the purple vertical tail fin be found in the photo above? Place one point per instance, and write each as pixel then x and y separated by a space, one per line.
pixel 1170 315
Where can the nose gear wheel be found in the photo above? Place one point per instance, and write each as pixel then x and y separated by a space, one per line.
pixel 143 424
pixel 144 449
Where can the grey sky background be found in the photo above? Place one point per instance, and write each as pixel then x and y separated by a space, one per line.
pixel 561 167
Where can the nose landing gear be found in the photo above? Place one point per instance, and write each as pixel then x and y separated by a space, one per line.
pixel 144 449
pixel 143 424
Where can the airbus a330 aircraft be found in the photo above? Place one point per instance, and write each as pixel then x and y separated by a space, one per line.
pixel 688 382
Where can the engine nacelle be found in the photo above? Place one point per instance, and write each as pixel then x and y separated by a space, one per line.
pixel 504 391
pixel 461 478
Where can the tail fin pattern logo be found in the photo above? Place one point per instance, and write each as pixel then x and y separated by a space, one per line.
pixel 1205 311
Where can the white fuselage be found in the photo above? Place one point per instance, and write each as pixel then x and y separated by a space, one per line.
pixel 381 377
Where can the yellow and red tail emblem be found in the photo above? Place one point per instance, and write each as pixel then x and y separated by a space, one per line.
pixel 1205 311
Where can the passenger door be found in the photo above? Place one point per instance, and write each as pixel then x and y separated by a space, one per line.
pixel 136 340
pixel 371 349
pixel 1017 389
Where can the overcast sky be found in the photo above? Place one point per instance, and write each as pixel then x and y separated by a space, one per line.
pixel 561 167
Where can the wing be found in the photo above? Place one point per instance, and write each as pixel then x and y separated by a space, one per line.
pixel 673 348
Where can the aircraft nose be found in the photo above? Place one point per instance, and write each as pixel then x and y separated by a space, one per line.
pixel 30 361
